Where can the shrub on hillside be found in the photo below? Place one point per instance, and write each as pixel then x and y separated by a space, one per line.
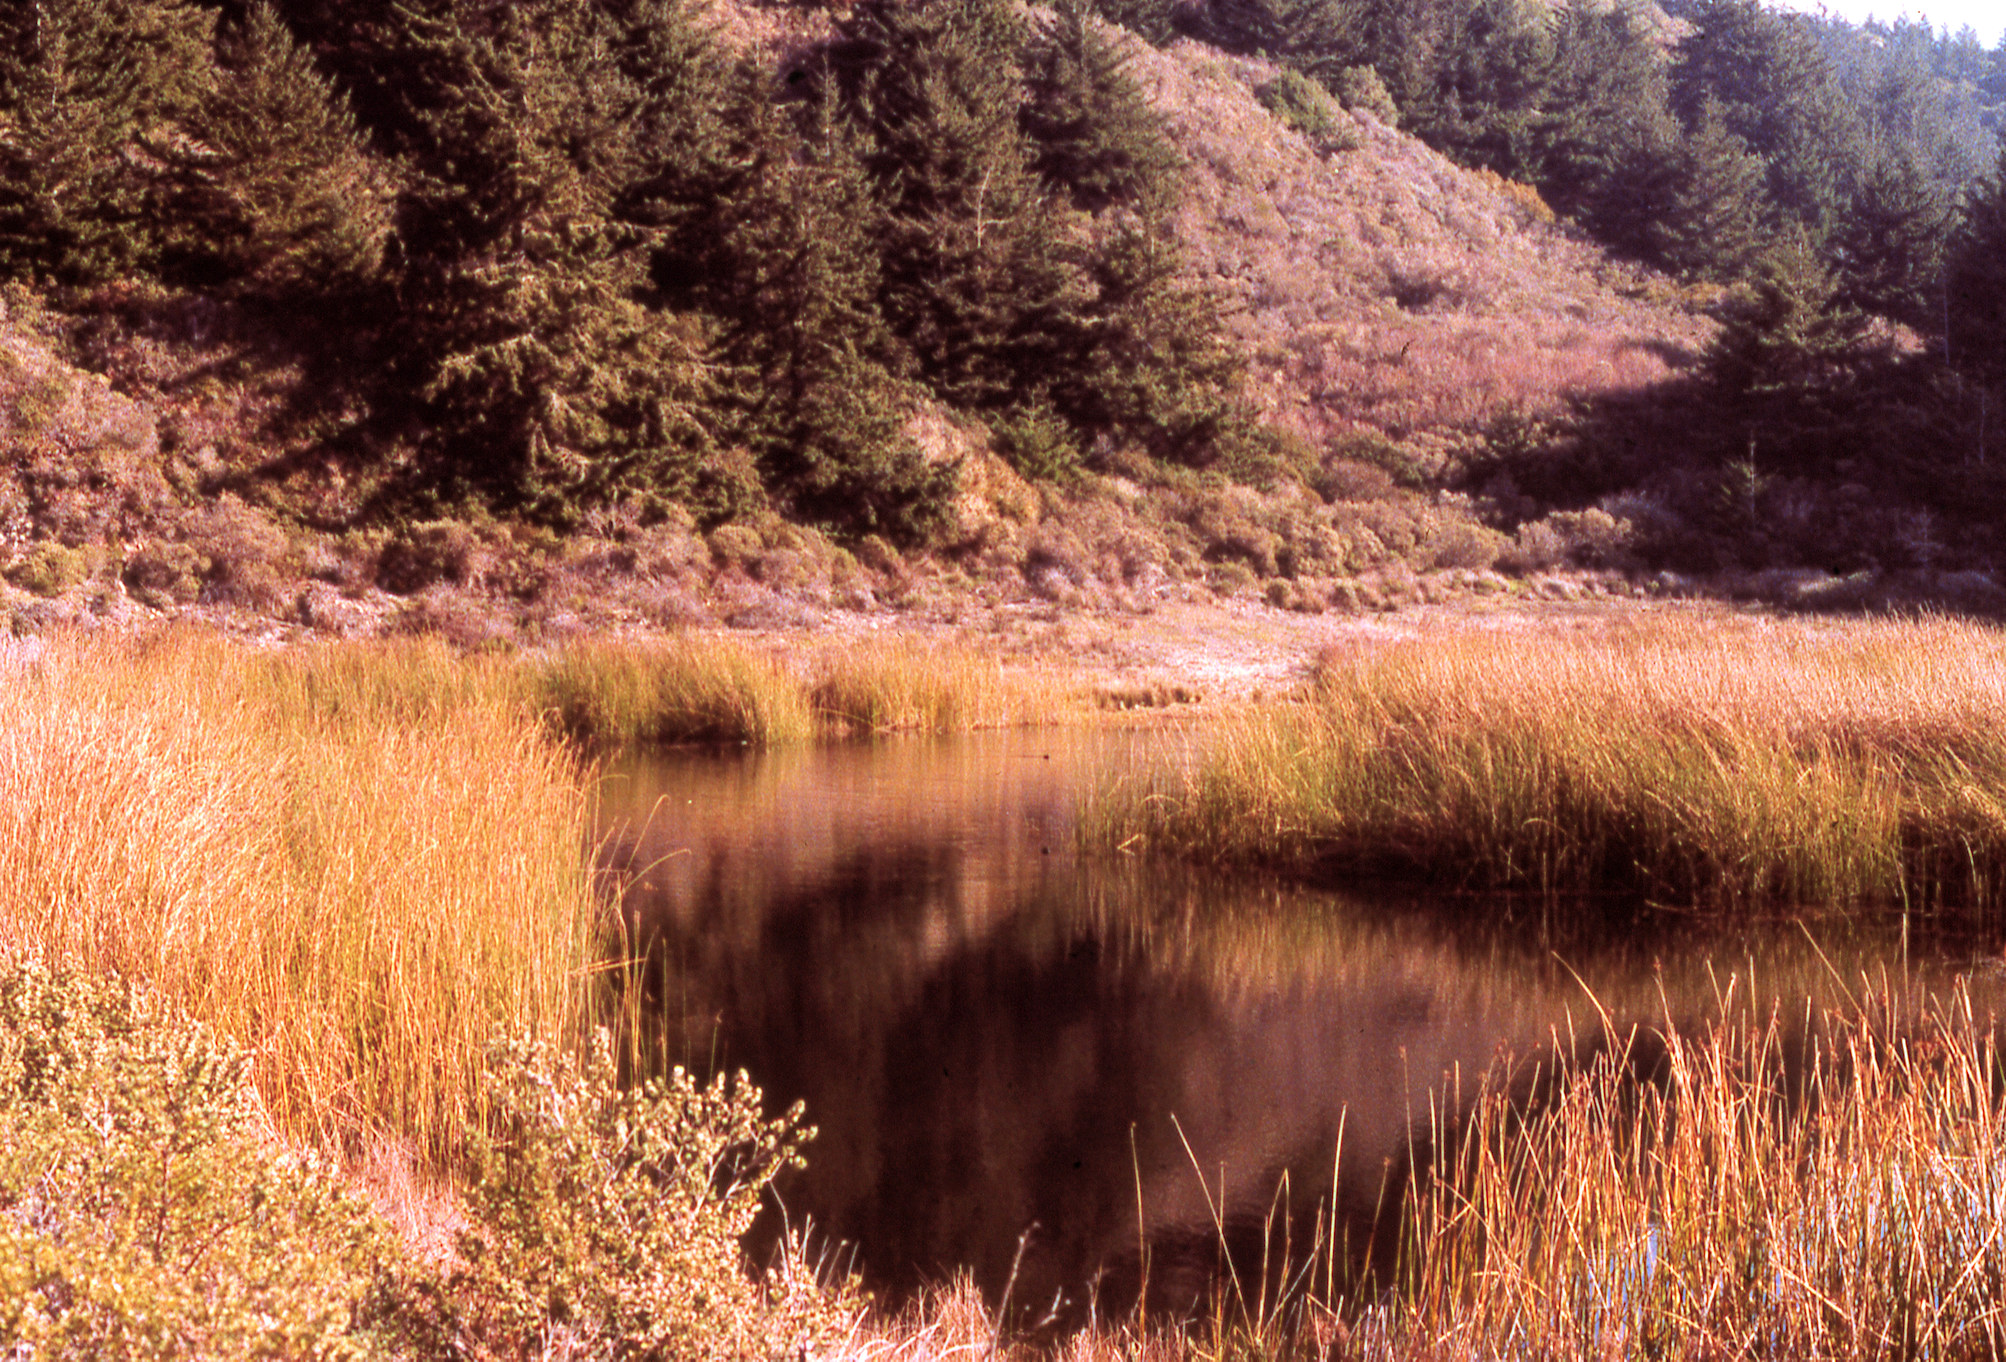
pixel 1306 107
pixel 1359 87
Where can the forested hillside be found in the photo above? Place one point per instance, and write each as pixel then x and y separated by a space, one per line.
pixel 328 310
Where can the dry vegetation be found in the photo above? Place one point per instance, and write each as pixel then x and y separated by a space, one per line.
pixel 359 896
pixel 1383 290
pixel 1692 761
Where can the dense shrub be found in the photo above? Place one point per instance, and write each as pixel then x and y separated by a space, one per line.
pixel 144 1210
pixel 608 1219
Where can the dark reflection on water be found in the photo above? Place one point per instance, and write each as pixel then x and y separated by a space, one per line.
pixel 994 1033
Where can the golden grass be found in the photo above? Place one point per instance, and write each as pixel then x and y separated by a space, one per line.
pixel 365 862
pixel 686 690
pixel 364 889
pixel 1717 762
pixel 1835 1189
pixel 928 688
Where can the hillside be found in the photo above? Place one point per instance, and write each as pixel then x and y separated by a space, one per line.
pixel 945 311
pixel 1390 308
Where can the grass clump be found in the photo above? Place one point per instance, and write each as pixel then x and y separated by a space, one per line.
pixel 911 687
pixel 690 690
pixel 1702 761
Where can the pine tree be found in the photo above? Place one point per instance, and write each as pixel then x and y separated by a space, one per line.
pixel 1319 38
pixel 1974 300
pixel 972 250
pixel 272 196
pixel 1093 137
pixel 91 91
pixel 1710 218
pixel 1793 334
pixel 1774 89
pixel 546 380
pixel 779 246
pixel 1607 112
pixel 1889 246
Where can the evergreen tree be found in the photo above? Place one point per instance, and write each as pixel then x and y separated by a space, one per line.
pixel 973 259
pixel 1154 21
pixel 1793 333
pixel 546 380
pixel 1093 137
pixel 1710 204
pixel 1889 247
pixel 1975 288
pixel 1774 89
pixel 91 91
pixel 273 195
pixel 1320 38
pixel 1607 114
pixel 780 248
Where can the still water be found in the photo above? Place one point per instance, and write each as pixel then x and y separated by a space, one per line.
pixel 997 1034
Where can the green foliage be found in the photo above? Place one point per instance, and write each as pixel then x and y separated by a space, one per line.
pixel 1037 442
pixel 144 1212
pixel 272 194
pixel 1359 87
pixel 1154 21
pixel 1791 333
pixel 49 569
pixel 971 249
pixel 89 92
pixel 1769 84
pixel 1975 290
pixel 608 1219
pixel 545 379
pixel 1307 107
pixel 1094 138
pixel 1889 247
pixel 1711 219
pixel 1320 38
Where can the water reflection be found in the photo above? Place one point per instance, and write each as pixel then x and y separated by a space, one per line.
pixel 993 1033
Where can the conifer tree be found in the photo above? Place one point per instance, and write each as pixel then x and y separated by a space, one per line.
pixel 1319 38
pixel 971 246
pixel 1974 300
pixel 1093 137
pixel 272 195
pixel 1794 328
pixel 91 91
pixel 1889 247
pixel 1710 216
pixel 546 380
pixel 779 247
pixel 1773 88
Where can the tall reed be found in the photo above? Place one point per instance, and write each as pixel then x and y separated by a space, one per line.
pixel 1835 1189
pixel 1697 761
pixel 361 888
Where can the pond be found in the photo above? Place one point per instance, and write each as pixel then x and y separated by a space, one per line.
pixel 1005 1042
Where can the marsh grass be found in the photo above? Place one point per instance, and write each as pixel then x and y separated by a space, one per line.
pixel 361 890
pixel 364 861
pixel 1829 1183
pixel 1834 1187
pixel 930 688
pixel 1716 762
pixel 627 695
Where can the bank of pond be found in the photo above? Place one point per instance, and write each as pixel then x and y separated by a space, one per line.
pixel 1620 987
